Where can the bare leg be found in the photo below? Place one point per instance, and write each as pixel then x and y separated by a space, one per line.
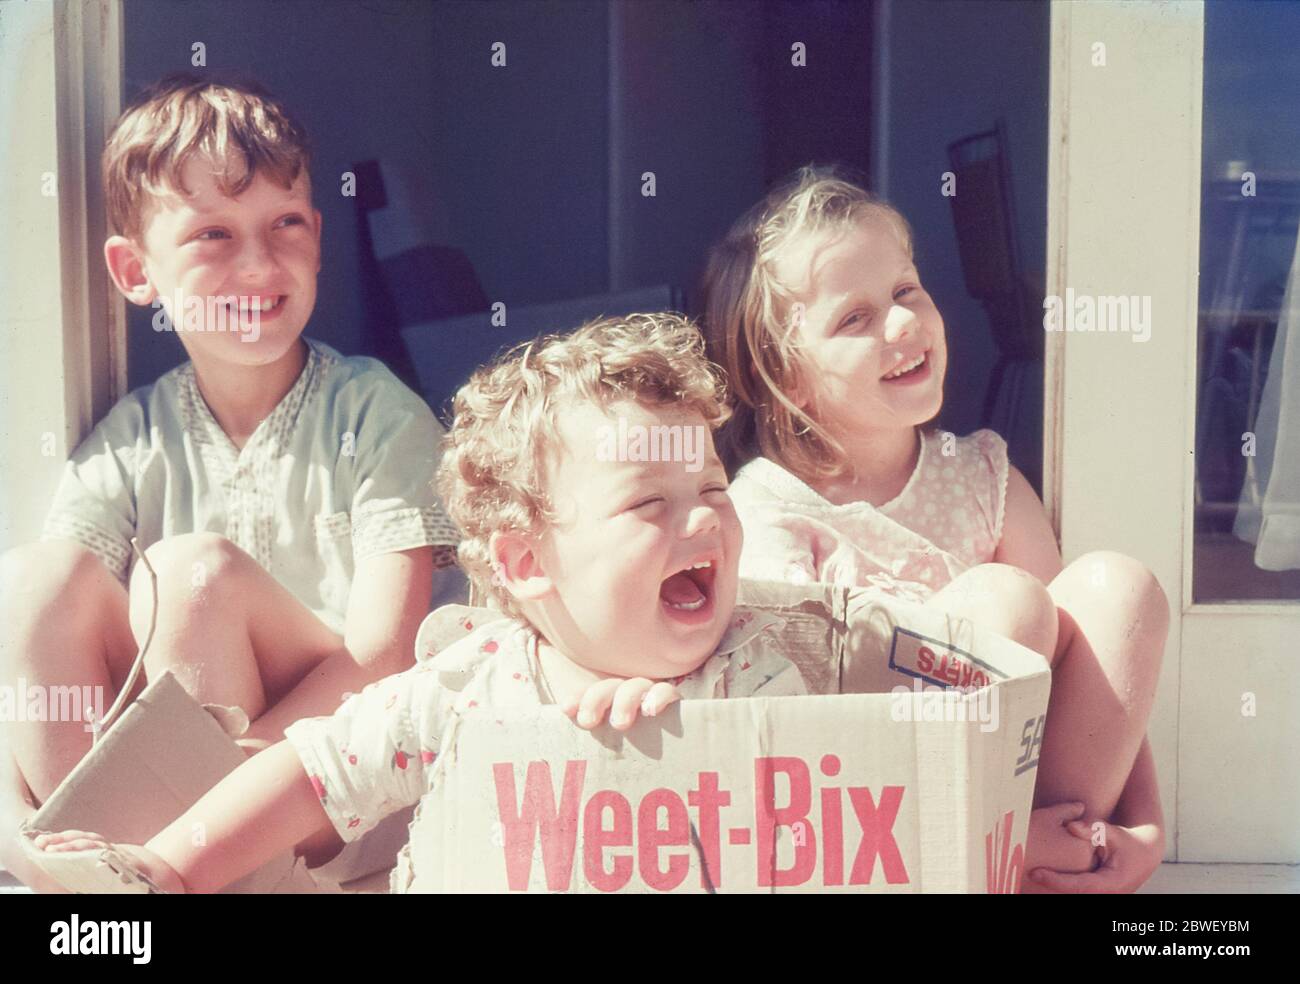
pixel 1004 600
pixel 1015 604
pixel 228 631
pixel 16 806
pixel 1114 621
pixel 63 623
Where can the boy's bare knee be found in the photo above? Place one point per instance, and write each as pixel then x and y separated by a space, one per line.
pixel 193 570
pixel 38 582
pixel 48 568
pixel 188 565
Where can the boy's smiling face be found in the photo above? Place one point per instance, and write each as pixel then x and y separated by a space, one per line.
pixel 261 248
pixel 638 575
pixel 866 319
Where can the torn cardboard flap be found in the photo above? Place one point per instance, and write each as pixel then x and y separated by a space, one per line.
pixel 151 765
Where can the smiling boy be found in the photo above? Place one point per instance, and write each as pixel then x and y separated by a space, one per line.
pixel 282 492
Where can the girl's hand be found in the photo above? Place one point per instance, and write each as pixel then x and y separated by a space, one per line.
pixel 1129 856
pixel 1051 845
pixel 622 699
pixel 146 861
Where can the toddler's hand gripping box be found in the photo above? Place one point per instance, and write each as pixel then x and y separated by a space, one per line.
pixel 909 768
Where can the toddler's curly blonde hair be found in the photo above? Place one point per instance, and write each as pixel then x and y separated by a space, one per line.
pixel 493 472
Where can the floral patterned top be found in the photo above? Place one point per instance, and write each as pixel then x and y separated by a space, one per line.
pixel 375 755
pixel 947 519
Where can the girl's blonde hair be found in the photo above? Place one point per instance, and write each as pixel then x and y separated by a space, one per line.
pixel 237 125
pixel 747 315
pixel 493 472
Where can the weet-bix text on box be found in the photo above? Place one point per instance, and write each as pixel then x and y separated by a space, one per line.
pixel 909 768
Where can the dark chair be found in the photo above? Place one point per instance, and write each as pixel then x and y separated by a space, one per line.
pixel 422 282
pixel 446 351
pixel 984 219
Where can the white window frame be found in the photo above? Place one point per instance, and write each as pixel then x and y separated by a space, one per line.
pixel 63 343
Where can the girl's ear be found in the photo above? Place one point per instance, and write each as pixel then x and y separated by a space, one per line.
pixel 797 396
pixel 518 567
pixel 796 390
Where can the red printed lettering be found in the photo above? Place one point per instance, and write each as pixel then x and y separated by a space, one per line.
pixel 769 817
pixel 877 835
pixel 832 826
pixel 1003 867
pixel 538 817
pixel 649 840
pixel 708 799
pixel 925 659
pixel 652 837
pixel 595 838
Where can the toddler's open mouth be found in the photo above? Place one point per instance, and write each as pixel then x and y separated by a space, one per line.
pixel 687 595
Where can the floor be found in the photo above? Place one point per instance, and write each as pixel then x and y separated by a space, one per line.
pixel 1171 879
pixel 1224 879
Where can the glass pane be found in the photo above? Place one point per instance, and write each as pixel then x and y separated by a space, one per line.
pixel 1247 545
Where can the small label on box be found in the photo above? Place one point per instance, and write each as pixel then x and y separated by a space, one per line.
pixel 938 662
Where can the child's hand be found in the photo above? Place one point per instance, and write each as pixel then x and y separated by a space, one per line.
pixel 1051 846
pixel 622 698
pixel 1129 856
pixel 150 864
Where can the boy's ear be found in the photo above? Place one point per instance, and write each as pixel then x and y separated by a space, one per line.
pixel 125 261
pixel 518 567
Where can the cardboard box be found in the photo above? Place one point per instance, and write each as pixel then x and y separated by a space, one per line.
pixel 855 788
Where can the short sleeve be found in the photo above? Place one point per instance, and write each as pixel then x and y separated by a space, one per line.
pixel 394 505
pixel 374 755
pixel 94 503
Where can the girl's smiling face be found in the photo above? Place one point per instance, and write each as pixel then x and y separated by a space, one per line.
pixel 871 337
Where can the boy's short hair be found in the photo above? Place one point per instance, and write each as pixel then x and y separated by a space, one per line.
pixel 492 476
pixel 748 316
pixel 236 124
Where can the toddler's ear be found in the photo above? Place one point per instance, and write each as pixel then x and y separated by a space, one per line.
pixel 518 567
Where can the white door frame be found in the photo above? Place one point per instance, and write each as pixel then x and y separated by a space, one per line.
pixel 1124 190
pixel 63 337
